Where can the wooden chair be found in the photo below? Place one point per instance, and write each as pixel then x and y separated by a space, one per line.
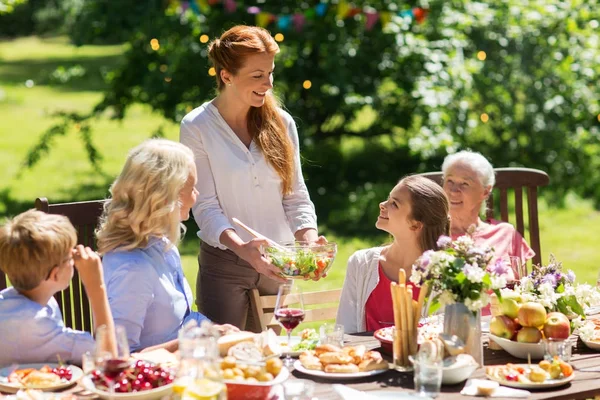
pixel 84 216
pixel 263 307
pixel 73 301
pixel 515 179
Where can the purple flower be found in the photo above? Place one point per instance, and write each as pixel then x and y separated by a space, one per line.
pixel 499 268
pixel 443 241
pixel 571 276
pixel 549 278
pixel 426 258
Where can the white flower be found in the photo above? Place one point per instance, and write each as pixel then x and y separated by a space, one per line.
pixel 476 305
pixel 446 298
pixel 473 273
pixel 465 241
pixel 526 285
pixel 498 281
pixel 587 331
pixel 548 296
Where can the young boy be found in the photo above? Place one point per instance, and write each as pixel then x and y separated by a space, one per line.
pixel 37 254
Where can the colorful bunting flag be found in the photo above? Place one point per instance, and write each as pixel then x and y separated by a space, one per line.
pixel 343 10
pixel 371 19
pixel 230 5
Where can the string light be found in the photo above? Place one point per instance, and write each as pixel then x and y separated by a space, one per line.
pixel 484 118
pixel 204 39
pixel 279 37
pixel 163 68
pixel 211 71
pixel 154 44
pixel 481 55
pixel 307 84
pixel 598 117
pixel 167 79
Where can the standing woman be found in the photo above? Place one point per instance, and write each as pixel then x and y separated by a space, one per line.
pixel 248 161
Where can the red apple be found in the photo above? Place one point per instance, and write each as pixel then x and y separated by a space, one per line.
pixel 532 315
pixel 557 326
pixel 529 334
pixel 502 326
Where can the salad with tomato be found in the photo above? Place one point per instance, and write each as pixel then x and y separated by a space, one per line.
pixel 303 262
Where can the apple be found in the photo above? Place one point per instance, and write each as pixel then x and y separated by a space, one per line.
pixel 510 308
pixel 510 305
pixel 532 315
pixel 557 326
pixel 502 326
pixel 529 334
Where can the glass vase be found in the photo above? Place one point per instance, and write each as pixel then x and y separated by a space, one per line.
pixel 466 325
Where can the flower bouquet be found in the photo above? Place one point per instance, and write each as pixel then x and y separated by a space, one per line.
pixel 460 277
pixel 459 273
pixel 556 290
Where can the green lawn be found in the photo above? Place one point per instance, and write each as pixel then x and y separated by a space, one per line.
pixel 570 233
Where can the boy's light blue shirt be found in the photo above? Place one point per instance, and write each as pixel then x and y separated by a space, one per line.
pixel 32 333
pixel 148 293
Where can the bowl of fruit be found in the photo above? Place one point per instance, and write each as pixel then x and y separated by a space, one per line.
pixel 302 260
pixel 252 381
pixel 520 331
pixel 141 380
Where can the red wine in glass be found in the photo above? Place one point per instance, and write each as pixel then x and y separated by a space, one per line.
pixel 289 317
pixel 114 366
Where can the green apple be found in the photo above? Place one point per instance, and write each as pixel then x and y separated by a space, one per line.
pixel 510 306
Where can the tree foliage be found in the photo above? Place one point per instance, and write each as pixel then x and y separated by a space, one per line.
pixel 514 80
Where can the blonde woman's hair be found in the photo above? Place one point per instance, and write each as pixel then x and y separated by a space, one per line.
pixel 31 244
pixel 145 196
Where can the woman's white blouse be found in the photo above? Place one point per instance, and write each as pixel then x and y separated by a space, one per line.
pixel 236 181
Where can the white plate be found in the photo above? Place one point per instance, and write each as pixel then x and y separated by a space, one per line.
pixel 548 383
pixel 520 350
pixel 155 393
pixel 592 344
pixel 10 387
pixel 337 376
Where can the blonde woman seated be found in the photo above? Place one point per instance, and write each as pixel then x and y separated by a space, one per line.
pixel 468 181
pixel 139 231
pixel 416 215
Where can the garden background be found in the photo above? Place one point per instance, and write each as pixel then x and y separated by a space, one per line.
pixel 379 89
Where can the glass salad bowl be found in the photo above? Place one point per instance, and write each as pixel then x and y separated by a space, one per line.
pixel 302 260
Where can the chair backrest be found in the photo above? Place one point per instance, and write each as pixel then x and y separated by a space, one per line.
pixel 263 307
pixel 84 216
pixel 515 179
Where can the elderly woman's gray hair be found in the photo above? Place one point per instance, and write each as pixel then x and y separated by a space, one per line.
pixel 476 161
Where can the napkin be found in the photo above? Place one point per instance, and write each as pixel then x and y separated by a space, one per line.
pixel 470 389
pixel 348 393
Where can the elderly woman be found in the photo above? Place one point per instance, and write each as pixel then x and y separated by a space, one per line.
pixel 468 181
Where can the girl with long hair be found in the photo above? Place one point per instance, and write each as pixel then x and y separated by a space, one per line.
pixel 416 215
pixel 247 156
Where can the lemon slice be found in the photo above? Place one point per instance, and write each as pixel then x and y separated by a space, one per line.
pixel 203 389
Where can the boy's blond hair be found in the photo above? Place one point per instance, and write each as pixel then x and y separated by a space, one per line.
pixel 31 244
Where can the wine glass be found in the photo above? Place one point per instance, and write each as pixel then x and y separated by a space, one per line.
pixel 112 354
pixel 289 311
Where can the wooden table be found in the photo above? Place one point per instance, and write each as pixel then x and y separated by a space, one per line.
pixel 585 385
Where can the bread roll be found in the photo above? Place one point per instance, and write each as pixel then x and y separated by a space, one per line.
pixel 372 365
pixel 326 348
pixel 342 368
pixel 335 358
pixel 228 341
